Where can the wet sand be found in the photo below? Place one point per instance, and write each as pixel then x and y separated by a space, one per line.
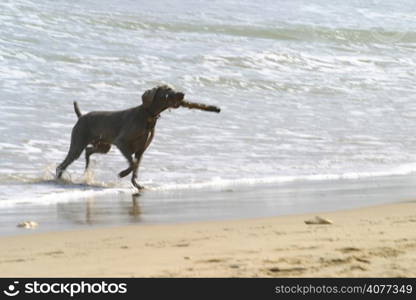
pixel 374 241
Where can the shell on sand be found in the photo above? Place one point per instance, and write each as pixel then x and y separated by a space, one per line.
pixel 28 224
pixel 318 221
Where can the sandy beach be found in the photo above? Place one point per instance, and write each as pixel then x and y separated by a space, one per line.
pixel 375 241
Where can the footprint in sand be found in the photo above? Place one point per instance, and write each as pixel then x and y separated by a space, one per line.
pixel 53 253
pixel 182 245
pixel 362 259
pixel 349 249
pixel 358 268
pixel 385 252
pixel 213 260
pixel 335 261
pixel 282 271
pixel 13 260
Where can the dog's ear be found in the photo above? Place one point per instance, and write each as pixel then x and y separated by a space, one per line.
pixel 148 96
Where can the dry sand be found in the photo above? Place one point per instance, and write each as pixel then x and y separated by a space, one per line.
pixel 370 242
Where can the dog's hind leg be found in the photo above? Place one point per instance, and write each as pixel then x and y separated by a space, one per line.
pixel 73 154
pixel 96 148
pixel 78 143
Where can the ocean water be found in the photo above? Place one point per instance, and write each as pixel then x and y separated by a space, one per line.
pixel 309 91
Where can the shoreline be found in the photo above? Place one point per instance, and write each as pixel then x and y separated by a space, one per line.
pixel 112 208
pixel 375 241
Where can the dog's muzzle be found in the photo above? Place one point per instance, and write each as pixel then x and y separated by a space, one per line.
pixel 175 100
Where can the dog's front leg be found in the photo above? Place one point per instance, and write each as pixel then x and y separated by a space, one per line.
pixel 138 154
pixel 128 155
pixel 136 164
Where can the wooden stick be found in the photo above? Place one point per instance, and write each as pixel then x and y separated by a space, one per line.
pixel 200 106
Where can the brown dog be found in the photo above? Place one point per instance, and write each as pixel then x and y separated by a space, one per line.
pixel 131 130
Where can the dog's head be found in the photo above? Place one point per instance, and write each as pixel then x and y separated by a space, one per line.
pixel 161 98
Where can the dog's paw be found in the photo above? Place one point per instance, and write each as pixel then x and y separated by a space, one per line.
pixel 58 173
pixel 124 173
pixel 138 186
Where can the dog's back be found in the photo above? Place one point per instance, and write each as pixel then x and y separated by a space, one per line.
pixel 107 125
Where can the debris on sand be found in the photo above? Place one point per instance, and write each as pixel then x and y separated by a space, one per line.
pixel 28 225
pixel 318 221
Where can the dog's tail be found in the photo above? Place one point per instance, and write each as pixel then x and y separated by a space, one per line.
pixel 76 108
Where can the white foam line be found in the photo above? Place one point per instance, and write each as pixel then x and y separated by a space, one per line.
pixel 223 183
pixel 65 195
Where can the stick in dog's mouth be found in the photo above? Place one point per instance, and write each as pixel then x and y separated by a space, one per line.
pixel 200 106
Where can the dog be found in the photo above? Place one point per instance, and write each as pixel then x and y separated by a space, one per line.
pixel 131 130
